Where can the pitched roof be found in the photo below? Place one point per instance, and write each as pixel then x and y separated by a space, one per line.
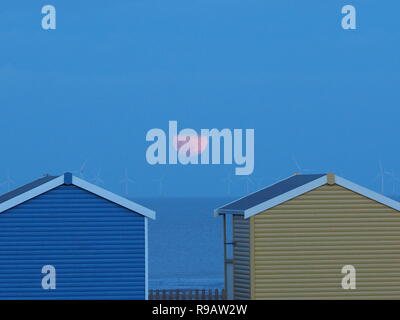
pixel 293 187
pixel 271 191
pixel 25 188
pixel 47 183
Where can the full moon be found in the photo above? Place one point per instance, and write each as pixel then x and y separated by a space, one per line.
pixel 197 144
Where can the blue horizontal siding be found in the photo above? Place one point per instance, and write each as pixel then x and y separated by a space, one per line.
pixel 96 246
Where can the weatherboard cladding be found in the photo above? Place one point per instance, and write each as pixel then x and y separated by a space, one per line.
pixel 271 192
pixel 96 246
pixel 241 252
pixel 301 245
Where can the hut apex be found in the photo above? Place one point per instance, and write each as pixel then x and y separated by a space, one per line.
pixel 64 238
pixel 330 177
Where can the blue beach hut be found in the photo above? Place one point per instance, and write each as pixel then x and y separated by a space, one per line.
pixel 62 237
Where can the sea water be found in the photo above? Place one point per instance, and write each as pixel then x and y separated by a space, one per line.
pixel 185 243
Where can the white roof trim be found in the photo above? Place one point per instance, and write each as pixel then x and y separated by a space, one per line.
pixel 367 193
pixel 308 187
pixel 81 184
pixel 220 211
pixel 113 197
pixel 284 197
pixel 31 193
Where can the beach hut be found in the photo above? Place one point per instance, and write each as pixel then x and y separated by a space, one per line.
pixel 62 237
pixel 312 236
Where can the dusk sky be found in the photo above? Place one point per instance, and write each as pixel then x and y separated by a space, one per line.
pixel 89 91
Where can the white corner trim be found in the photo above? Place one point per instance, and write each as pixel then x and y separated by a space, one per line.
pixel 367 193
pixel 113 197
pixel 146 257
pixel 285 197
pixel 31 193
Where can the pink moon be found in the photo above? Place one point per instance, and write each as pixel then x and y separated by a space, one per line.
pixel 197 144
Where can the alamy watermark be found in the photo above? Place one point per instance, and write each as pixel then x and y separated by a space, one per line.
pixel 187 146
pixel 49 280
pixel 349 20
pixel 49 20
pixel 349 280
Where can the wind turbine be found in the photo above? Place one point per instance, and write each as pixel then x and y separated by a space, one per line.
pixel 8 182
pixel 81 171
pixel 249 182
pixel 160 183
pixel 126 181
pixel 381 176
pixel 299 168
pixel 229 182
pixel 97 179
pixel 395 180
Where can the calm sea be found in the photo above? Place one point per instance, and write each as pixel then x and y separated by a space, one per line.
pixel 185 243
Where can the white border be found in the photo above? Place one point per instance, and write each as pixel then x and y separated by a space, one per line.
pixel 81 184
pixel 308 187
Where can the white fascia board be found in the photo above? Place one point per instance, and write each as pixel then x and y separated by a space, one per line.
pixel 285 197
pixel 218 212
pixel 32 193
pixel 113 197
pixel 367 193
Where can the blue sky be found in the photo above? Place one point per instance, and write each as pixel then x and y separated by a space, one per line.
pixel 90 90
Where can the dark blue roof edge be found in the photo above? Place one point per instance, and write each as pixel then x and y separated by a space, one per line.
pixel 229 207
pixel 25 188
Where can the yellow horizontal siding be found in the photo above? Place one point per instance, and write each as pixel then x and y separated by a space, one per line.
pixel 300 247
